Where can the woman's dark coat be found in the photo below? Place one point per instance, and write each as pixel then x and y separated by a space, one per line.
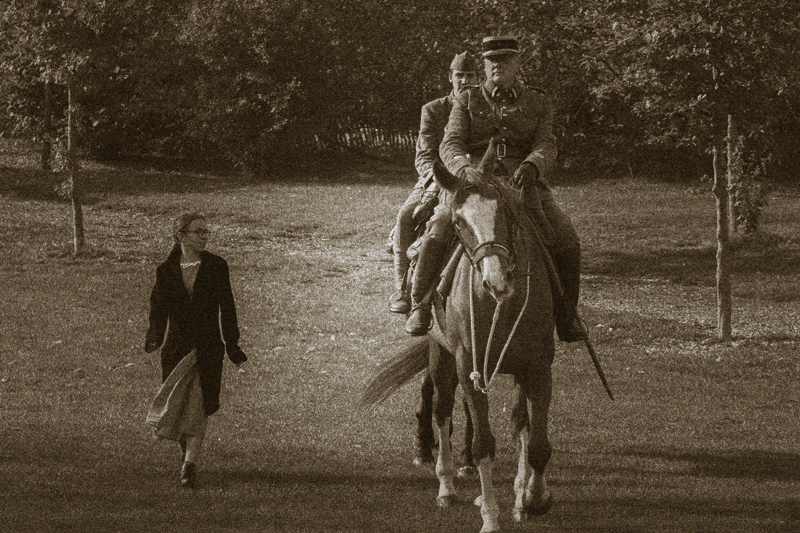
pixel 194 321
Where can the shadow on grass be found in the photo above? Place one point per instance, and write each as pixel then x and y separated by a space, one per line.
pixel 643 329
pixel 692 266
pixel 34 184
pixel 637 488
pixel 697 490
pixel 230 478
pixel 756 465
pixel 31 184
pixel 660 489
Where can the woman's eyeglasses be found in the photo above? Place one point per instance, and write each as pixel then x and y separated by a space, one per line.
pixel 200 232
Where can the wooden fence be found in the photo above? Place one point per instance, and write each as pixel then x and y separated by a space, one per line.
pixel 378 141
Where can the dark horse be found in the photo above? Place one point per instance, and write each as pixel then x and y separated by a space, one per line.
pixel 498 319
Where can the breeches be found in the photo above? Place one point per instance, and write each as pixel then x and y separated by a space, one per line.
pixel 404 229
pixel 564 233
pixel 440 225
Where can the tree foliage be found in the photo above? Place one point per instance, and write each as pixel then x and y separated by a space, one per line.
pixel 681 67
pixel 259 81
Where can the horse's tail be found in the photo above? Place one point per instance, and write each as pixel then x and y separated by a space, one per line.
pixel 396 372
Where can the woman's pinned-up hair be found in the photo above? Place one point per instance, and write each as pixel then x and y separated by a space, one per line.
pixel 182 222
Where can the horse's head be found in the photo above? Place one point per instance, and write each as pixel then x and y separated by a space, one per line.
pixel 481 218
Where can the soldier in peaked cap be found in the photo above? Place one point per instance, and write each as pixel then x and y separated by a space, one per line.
pixel 520 120
pixel 419 204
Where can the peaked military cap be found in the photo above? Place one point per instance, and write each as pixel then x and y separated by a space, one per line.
pixel 502 45
pixel 464 62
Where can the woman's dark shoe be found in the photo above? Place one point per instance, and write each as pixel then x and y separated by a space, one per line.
pixel 188 475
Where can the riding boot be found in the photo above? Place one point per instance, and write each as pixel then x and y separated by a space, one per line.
pixel 400 302
pixel 431 255
pixel 568 325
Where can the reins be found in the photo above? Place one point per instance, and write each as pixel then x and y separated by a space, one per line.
pixel 475 376
pixel 475 256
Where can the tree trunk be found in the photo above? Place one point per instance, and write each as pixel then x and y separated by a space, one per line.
pixel 722 194
pixel 734 173
pixel 75 192
pixel 47 142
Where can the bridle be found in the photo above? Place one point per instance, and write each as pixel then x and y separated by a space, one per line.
pixel 490 248
pixel 487 249
pixel 475 256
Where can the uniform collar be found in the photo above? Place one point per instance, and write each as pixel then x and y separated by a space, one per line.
pixel 496 92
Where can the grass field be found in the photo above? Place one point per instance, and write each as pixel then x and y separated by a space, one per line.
pixel 703 436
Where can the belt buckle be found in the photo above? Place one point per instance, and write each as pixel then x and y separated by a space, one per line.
pixel 501 150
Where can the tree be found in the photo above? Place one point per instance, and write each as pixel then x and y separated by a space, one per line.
pixel 693 69
pixel 58 41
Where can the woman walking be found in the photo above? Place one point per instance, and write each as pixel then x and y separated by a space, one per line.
pixel 193 295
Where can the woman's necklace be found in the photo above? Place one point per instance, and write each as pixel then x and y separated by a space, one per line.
pixel 190 265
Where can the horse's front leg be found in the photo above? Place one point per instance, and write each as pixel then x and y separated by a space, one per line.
pixel 520 424
pixel 490 509
pixel 483 452
pixel 537 498
pixel 423 440
pixel 445 381
pixel 445 468
pixel 468 463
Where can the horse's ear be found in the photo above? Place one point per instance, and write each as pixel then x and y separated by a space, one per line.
pixel 443 177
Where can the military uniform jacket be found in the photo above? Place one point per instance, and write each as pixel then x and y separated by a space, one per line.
pixel 521 121
pixel 194 321
pixel 435 115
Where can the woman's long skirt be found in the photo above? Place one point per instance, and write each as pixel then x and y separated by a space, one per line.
pixel 177 409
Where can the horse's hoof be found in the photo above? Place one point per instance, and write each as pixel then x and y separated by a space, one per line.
pixel 541 508
pixel 446 501
pixel 423 453
pixel 421 462
pixel 521 515
pixel 467 471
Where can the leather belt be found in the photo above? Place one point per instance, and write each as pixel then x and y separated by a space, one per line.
pixel 502 150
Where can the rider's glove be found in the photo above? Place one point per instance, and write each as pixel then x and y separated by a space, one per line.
pixel 525 176
pixel 424 210
pixel 470 176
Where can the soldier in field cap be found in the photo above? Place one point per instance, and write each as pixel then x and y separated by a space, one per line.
pixel 419 204
pixel 520 120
